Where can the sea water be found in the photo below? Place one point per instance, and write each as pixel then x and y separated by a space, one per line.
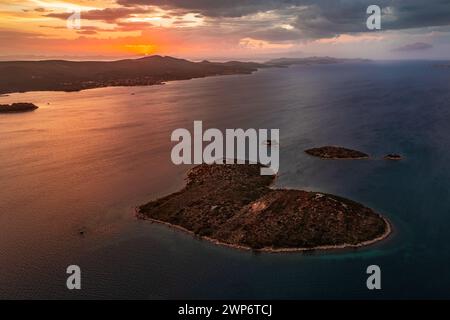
pixel 72 172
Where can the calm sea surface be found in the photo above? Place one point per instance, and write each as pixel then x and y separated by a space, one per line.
pixel 84 160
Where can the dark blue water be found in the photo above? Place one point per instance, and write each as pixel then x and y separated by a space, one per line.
pixel 87 158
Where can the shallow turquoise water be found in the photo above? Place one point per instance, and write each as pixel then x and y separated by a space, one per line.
pixel 85 159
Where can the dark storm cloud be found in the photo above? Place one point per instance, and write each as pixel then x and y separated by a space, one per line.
pixel 216 8
pixel 319 18
pixel 418 46
pixel 330 18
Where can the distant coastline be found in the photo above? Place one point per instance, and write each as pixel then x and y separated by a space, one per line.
pixel 62 75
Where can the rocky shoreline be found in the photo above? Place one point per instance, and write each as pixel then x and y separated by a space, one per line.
pixel 385 235
pixel 232 205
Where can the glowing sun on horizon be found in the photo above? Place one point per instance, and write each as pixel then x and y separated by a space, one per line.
pixel 141 49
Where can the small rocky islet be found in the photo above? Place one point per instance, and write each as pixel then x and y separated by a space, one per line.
pixel 17 107
pixel 233 205
pixel 393 156
pixel 334 152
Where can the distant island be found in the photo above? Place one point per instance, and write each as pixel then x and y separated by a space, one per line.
pixel 233 205
pixel 62 75
pixel 284 62
pixel 334 152
pixel 17 107
pixel 393 156
pixel 442 65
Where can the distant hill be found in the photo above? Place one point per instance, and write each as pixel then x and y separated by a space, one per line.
pixel 284 62
pixel 61 75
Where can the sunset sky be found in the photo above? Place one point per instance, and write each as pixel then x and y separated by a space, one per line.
pixel 223 29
